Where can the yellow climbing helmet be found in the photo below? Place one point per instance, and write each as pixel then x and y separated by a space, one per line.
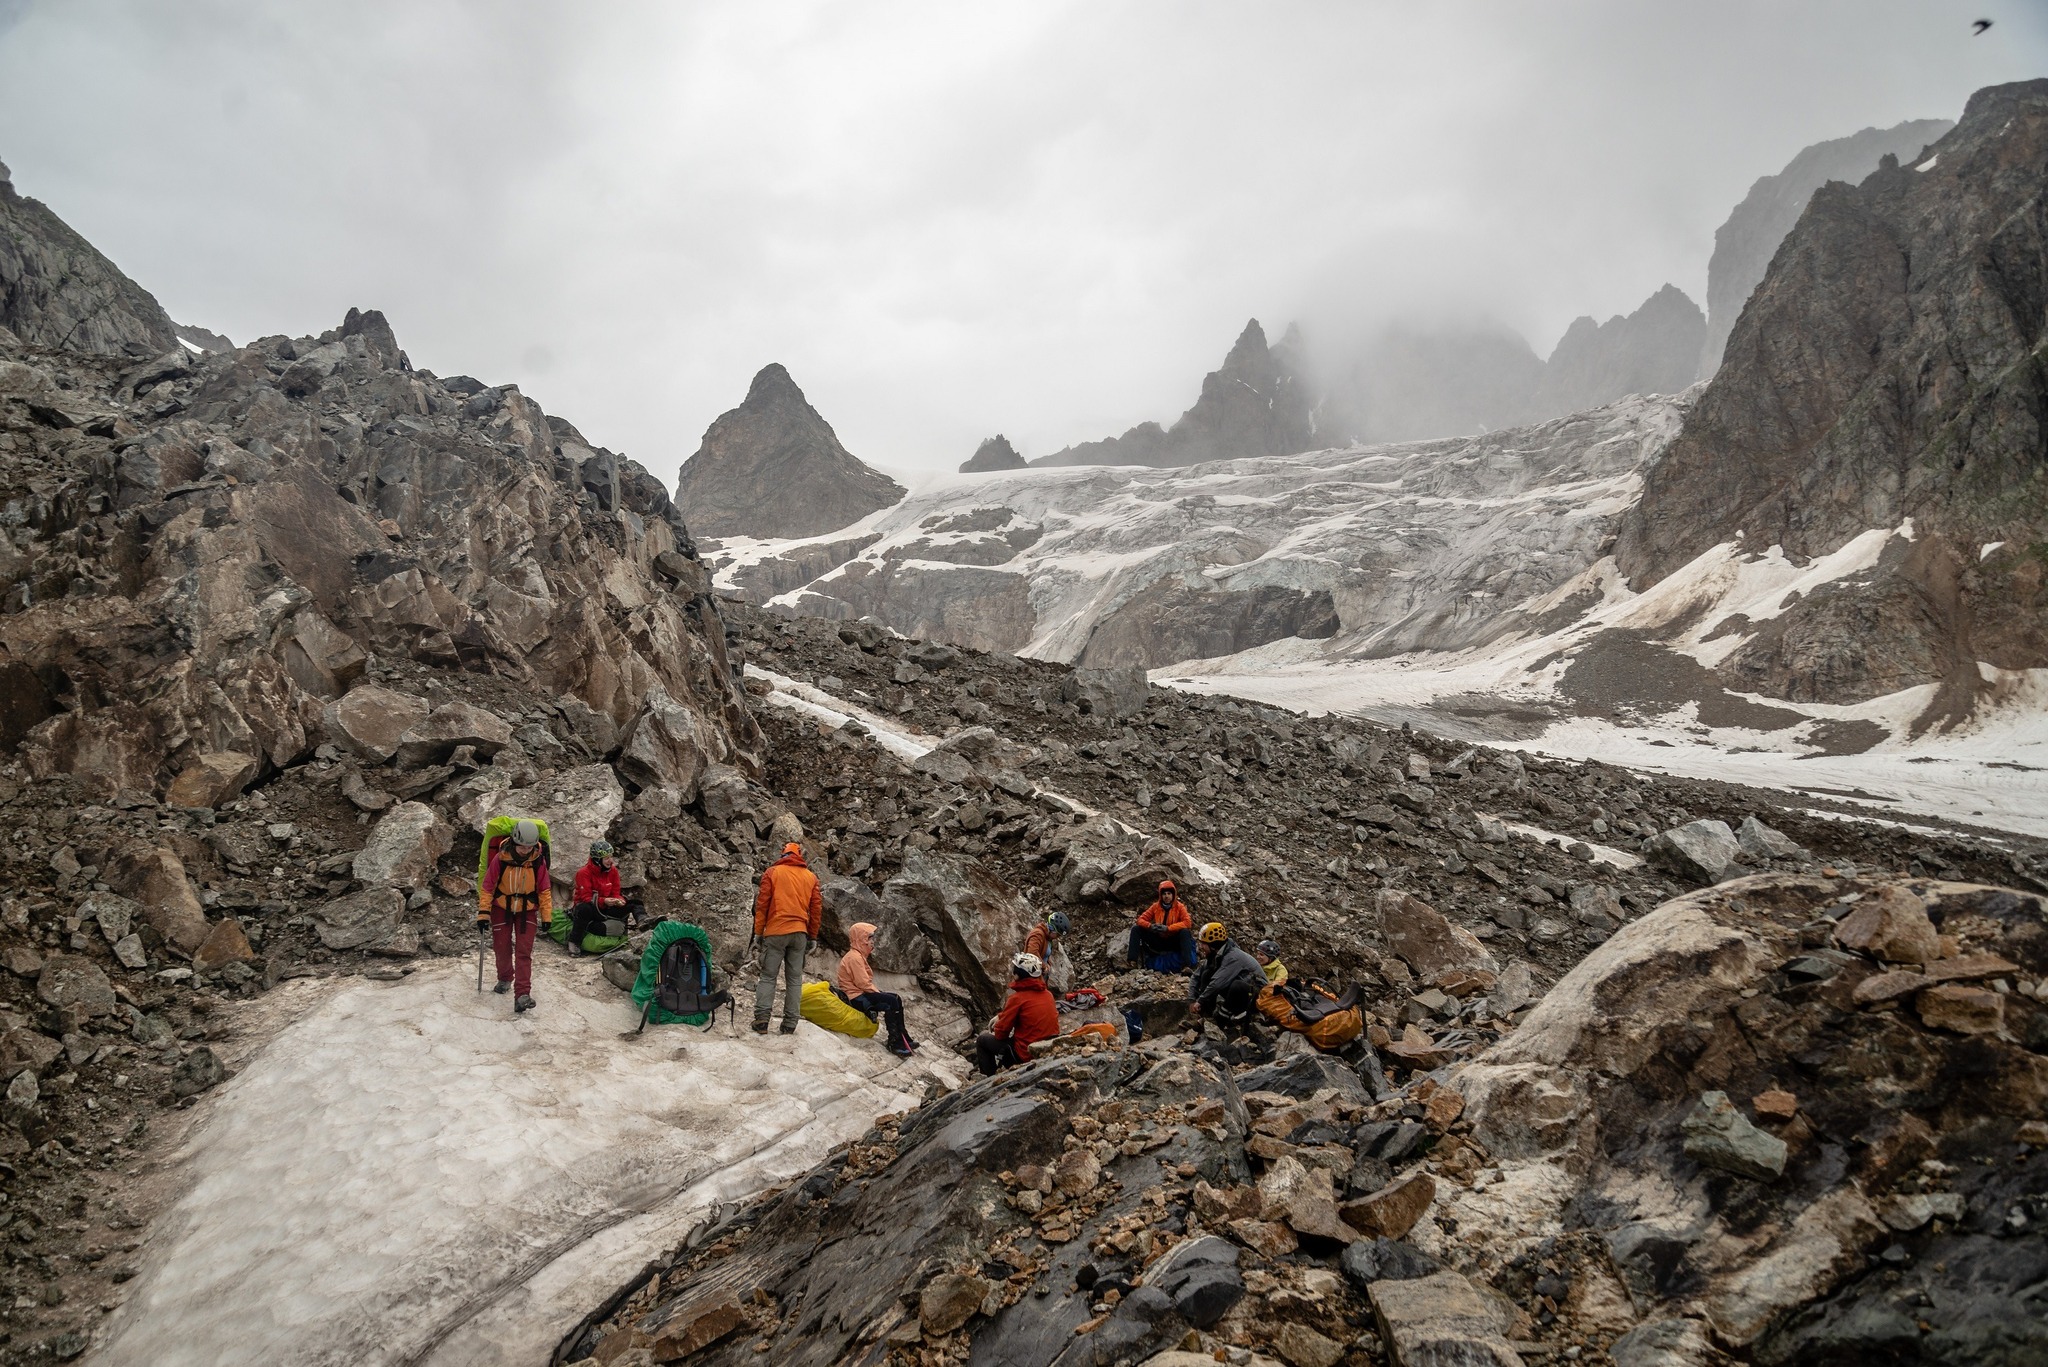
pixel 1213 934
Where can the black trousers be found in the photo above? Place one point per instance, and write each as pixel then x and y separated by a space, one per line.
pixel 992 1055
pixel 587 918
pixel 888 1006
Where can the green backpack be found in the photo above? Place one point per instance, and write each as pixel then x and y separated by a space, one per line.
pixel 499 829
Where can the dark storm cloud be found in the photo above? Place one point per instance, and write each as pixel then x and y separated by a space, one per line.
pixel 946 220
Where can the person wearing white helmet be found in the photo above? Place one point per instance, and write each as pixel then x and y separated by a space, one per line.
pixel 514 893
pixel 1028 1016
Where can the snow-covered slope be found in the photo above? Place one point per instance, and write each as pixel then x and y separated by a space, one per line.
pixel 1466 585
pixel 411 1174
pixel 1375 550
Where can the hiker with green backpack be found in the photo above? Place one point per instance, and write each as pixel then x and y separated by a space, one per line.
pixel 514 896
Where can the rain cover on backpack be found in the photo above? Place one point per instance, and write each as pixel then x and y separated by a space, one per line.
pixel 646 987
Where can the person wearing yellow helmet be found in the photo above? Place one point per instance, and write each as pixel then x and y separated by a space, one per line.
pixel 1227 984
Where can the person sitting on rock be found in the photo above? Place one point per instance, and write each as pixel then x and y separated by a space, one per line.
pixel 598 898
pixel 1164 937
pixel 789 910
pixel 515 895
pixel 1028 1016
pixel 1227 985
pixel 1046 934
pixel 1268 955
pixel 856 983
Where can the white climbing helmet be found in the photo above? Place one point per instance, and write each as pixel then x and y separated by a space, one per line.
pixel 1027 966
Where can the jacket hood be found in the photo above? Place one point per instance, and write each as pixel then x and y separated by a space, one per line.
pixel 861 936
pixel 793 860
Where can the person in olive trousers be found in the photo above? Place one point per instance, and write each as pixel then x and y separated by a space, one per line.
pixel 789 908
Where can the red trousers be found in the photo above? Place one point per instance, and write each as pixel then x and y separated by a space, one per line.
pixel 512 939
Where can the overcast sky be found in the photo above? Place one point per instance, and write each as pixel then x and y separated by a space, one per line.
pixel 1046 219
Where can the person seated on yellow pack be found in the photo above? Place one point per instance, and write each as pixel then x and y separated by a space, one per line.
pixel 1268 955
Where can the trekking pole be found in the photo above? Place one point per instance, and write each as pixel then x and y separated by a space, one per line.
pixel 480 957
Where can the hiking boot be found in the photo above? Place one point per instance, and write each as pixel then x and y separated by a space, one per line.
pixel 523 1002
pixel 760 1025
pixel 575 948
pixel 502 988
pixel 789 1027
pixel 902 1048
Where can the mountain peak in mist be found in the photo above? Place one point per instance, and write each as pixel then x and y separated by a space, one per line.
pixel 773 467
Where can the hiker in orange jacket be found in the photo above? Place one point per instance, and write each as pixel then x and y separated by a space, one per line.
pixel 1028 1016
pixel 789 909
pixel 1165 931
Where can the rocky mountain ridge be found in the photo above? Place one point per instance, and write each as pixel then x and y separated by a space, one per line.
pixel 1257 403
pixel 1885 375
pixel 774 468
pixel 1746 242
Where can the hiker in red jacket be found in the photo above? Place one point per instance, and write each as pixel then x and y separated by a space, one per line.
pixel 598 898
pixel 1030 1015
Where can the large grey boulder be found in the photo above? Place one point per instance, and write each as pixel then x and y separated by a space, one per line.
pixel 1441 1320
pixel 972 920
pixel 1760 844
pixel 1426 939
pixel 435 737
pixel 1110 692
pixel 667 745
pixel 71 980
pixel 1700 851
pixel 361 920
pixel 370 720
pixel 403 848
pixel 155 877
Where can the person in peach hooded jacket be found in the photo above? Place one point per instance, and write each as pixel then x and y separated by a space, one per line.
pixel 856 983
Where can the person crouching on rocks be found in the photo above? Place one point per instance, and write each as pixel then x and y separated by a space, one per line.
pixel 1046 934
pixel 1030 1015
pixel 515 894
pixel 1166 929
pixel 1226 987
pixel 789 910
pixel 598 898
pixel 856 983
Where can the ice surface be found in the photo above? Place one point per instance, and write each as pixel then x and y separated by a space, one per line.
pixel 411 1174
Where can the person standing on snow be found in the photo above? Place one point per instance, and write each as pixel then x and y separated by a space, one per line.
pixel 1165 927
pixel 598 897
pixel 856 983
pixel 516 897
pixel 1030 1015
pixel 789 909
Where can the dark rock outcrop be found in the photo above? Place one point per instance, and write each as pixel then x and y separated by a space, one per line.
pixel 1651 351
pixel 774 468
pixel 1256 404
pixel 218 546
pixel 1887 368
pixel 1745 244
pixel 1169 622
pixel 56 290
pixel 994 454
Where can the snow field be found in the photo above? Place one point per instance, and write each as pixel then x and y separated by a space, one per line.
pixel 412 1174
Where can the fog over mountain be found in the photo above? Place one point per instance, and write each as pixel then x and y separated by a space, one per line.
pixel 1044 220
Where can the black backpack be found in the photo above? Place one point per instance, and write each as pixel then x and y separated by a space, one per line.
pixel 682 984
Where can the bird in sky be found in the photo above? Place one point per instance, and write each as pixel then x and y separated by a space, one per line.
pixel 1980 26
